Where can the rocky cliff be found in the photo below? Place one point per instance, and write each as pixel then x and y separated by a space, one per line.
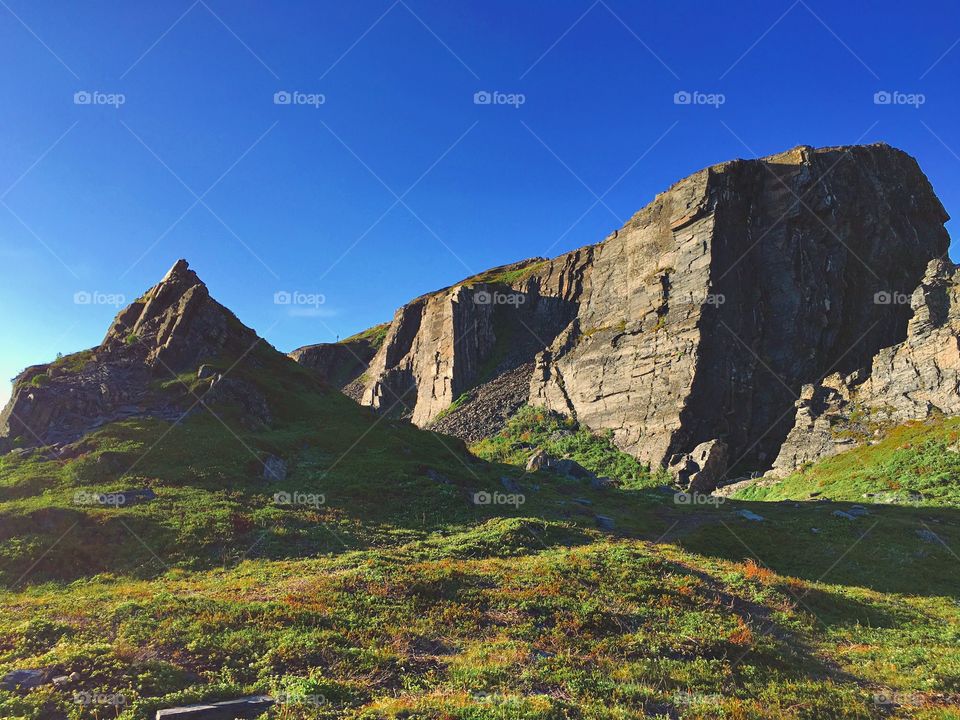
pixel 704 318
pixel 171 330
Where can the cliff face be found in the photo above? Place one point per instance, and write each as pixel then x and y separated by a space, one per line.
pixel 911 380
pixel 702 318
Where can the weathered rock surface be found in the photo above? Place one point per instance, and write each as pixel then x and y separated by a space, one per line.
pixel 910 380
pixel 174 328
pixel 247 707
pixel 488 407
pixel 701 319
pixel 339 364
pixel 702 469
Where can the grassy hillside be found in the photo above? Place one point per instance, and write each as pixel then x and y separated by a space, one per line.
pixel 383 590
pixel 915 464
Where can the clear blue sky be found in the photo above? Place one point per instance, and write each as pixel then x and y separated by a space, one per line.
pixel 103 198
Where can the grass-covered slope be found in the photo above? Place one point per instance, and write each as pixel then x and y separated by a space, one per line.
pixel 385 591
pixel 917 463
pixel 536 428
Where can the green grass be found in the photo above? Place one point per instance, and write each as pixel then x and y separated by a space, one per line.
pixel 916 463
pixel 562 437
pixel 393 595
pixel 508 277
pixel 374 335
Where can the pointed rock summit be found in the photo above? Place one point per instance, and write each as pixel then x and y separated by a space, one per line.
pixel 173 328
pixel 177 325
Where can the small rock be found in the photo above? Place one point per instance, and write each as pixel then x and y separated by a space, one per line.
pixel 538 460
pixel 857 511
pixel 244 708
pixel 61 680
pixel 844 515
pixel 928 535
pixel 510 485
pixel 137 496
pixel 604 522
pixel 26 679
pixel 583 501
pixel 206 372
pixel 437 477
pixel 748 515
pixel 815 531
pixel 274 469
pixel 602 483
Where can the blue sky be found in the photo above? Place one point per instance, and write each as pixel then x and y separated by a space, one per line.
pixel 383 179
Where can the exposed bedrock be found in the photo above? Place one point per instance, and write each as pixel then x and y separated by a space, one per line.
pixel 701 319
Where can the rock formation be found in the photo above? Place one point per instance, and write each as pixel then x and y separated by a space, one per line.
pixel 704 318
pixel 174 328
pixel 911 380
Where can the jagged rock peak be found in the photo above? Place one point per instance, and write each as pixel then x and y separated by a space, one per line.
pixel 176 323
pixel 173 328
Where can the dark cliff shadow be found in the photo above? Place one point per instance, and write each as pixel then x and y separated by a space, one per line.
pixel 897 549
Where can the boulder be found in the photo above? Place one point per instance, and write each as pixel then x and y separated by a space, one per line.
pixel 274 469
pixel 26 679
pixel 510 485
pixel 245 708
pixel 604 522
pixel 702 469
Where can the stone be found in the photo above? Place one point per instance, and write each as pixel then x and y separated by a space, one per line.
pixel 437 477
pixel 274 469
pixel 602 483
pixel 815 531
pixel 857 510
pixel 604 522
pixel 170 330
pixel 843 515
pixel 341 364
pixel 246 708
pixel 206 372
pixel 539 460
pixel 928 535
pixel 702 469
pixel 510 485
pixel 26 679
pixel 749 515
